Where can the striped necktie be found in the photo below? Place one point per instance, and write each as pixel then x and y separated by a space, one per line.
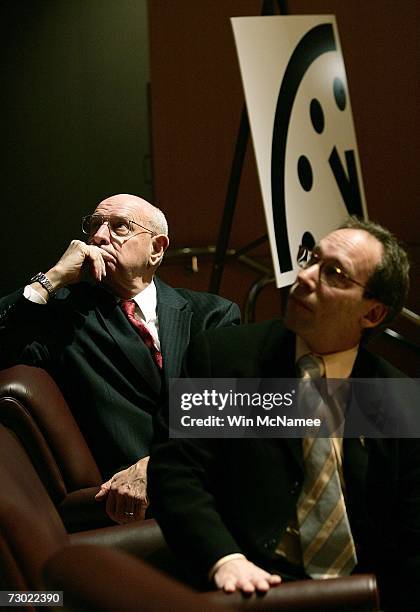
pixel 327 544
pixel 128 307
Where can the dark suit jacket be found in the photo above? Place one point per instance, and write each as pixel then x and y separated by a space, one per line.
pixel 215 497
pixel 105 372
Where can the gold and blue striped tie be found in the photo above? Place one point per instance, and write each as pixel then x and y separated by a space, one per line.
pixel 327 544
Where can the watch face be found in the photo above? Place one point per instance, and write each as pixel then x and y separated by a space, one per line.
pixel 39 277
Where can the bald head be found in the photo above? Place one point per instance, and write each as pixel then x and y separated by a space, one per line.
pixel 152 216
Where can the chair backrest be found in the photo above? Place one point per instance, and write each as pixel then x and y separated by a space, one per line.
pixel 34 408
pixel 31 530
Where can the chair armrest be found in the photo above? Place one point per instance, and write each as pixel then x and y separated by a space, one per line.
pixel 141 539
pixel 80 510
pixel 358 593
pixel 102 579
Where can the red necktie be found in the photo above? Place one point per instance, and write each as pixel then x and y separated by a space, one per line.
pixel 128 307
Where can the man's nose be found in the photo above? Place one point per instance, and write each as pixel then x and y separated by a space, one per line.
pixel 102 235
pixel 309 276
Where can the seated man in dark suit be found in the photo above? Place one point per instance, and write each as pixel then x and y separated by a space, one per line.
pixel 236 511
pixel 111 356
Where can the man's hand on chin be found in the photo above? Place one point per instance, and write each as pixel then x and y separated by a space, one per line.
pixel 126 493
pixel 242 575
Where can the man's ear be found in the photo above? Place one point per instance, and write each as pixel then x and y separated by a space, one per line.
pixel 375 315
pixel 159 245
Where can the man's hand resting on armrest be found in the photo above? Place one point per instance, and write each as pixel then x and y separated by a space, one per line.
pixel 126 493
pixel 242 575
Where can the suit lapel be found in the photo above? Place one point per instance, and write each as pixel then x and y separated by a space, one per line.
pixel 127 339
pixel 355 470
pixel 357 452
pixel 355 464
pixel 277 358
pixel 278 361
pixel 174 315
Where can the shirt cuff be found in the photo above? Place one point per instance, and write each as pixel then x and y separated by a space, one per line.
pixel 32 295
pixel 222 561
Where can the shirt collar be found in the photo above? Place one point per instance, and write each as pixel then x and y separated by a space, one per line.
pixel 337 365
pixel 146 300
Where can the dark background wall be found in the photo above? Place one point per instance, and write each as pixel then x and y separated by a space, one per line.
pixel 76 125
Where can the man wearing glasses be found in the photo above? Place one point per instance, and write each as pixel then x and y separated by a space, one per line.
pixel 86 334
pixel 249 513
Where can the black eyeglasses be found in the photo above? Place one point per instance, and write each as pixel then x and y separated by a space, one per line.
pixel 119 227
pixel 329 273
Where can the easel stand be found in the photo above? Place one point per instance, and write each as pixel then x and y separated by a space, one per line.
pixel 221 253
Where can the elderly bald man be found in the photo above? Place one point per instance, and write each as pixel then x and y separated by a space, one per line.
pixel 80 321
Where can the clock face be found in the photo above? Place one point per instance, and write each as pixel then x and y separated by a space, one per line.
pixel 305 143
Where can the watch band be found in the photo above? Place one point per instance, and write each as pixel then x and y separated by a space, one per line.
pixel 45 282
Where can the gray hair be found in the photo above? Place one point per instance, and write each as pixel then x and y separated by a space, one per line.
pixel 157 221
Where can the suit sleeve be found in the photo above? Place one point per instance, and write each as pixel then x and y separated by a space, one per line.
pixel 23 331
pixel 183 477
pixel 229 316
pixel 407 524
pixel 212 311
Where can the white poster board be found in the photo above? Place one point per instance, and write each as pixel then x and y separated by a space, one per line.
pixel 302 129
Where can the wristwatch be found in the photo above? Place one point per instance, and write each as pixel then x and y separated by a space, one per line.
pixel 45 282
